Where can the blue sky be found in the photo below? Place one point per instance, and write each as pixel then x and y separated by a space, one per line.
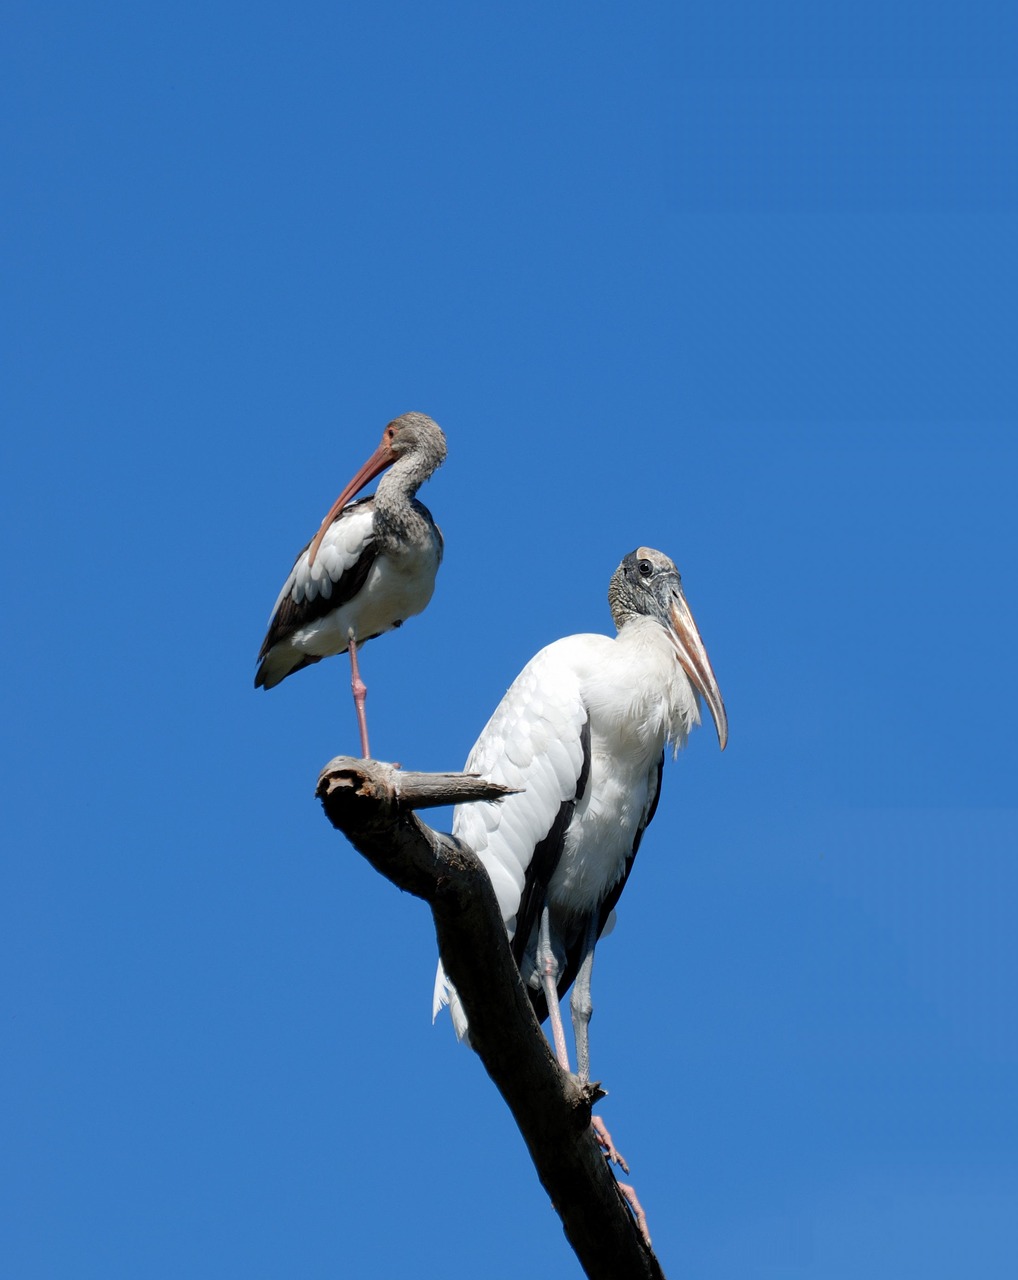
pixel 739 284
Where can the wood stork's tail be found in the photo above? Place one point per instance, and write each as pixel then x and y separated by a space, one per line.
pixel 446 994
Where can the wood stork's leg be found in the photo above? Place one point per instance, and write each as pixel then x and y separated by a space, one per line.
pixel 581 1008
pixel 548 969
pixel 360 692
pixel 580 1004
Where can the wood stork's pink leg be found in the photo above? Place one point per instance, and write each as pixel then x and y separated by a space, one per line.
pixel 548 968
pixel 360 692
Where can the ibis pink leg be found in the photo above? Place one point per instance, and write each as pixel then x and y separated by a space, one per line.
pixel 360 692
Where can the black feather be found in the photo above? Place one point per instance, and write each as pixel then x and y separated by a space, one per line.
pixel 546 857
pixel 293 614
pixel 574 950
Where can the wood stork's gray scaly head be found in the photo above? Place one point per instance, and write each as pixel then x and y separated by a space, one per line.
pixel 648 584
pixel 410 435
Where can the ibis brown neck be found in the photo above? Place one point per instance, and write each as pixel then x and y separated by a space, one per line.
pixel 398 518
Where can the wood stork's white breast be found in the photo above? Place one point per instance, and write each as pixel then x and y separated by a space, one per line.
pixel 637 698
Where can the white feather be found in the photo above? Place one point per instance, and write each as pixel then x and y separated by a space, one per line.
pixel 637 698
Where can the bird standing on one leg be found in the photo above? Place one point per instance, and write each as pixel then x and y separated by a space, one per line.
pixel 582 731
pixel 371 565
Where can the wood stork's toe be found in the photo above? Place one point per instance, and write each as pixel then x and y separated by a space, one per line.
pixel 604 1140
pixel 629 1195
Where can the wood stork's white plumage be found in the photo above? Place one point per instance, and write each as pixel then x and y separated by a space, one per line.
pixel 371 565
pixel 583 731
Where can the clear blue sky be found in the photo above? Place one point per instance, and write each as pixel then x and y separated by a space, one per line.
pixel 739 283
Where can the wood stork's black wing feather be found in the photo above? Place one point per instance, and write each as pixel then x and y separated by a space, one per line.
pixel 538 740
pixel 574 952
pixel 546 857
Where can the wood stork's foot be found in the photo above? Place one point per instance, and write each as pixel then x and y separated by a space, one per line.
pixel 612 1155
pixel 629 1195
pixel 606 1144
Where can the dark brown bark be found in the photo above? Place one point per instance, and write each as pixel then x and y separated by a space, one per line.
pixel 373 805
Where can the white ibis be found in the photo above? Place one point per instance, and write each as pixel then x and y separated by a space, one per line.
pixel 370 566
pixel 582 731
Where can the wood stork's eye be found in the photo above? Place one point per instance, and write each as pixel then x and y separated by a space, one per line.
pixel 645 567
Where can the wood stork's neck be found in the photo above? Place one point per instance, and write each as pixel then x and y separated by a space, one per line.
pixel 649 652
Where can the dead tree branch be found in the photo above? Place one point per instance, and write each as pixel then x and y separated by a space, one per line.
pixel 373 805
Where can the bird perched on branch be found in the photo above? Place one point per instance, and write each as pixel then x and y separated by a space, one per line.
pixel 583 731
pixel 371 565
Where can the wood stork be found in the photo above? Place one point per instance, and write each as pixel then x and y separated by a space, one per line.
pixel 370 566
pixel 583 731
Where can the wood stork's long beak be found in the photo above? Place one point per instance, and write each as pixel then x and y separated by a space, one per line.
pixel 384 456
pixel 696 664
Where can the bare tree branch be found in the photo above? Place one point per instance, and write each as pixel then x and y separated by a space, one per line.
pixel 373 805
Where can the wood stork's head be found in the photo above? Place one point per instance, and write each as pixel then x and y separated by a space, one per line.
pixel 648 584
pixel 411 435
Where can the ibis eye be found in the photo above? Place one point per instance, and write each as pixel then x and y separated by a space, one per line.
pixel 646 568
